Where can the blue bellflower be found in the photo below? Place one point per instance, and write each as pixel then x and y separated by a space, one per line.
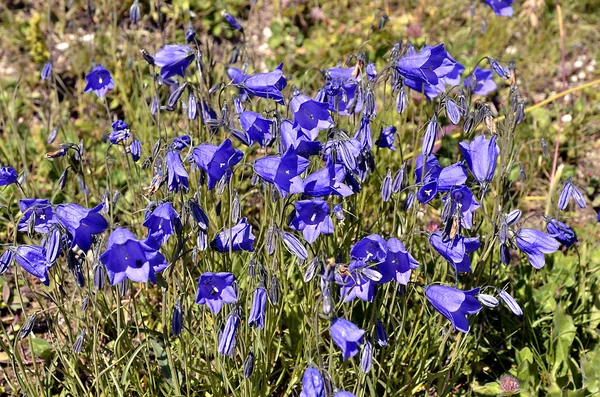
pixel 226 345
pixel 100 81
pixel 215 289
pixel 283 171
pixel 257 127
pixel 327 181
pixel 46 71
pixel 230 19
pixel 398 264
pixel 455 251
pixel 535 244
pixel 33 259
pixel 216 161
pixel 81 223
pixel 173 60
pixel 501 7
pixel 312 383
pixel 41 209
pixel 370 248
pixel 342 91
pixel 480 81
pixel 177 175
pixel 120 132
pixel 266 85
pixel 239 237
pixel 386 139
pixel 312 218
pixel 468 205
pixel 561 232
pixel 128 257
pixel 161 224
pixel 346 336
pixel 257 312
pixel 310 116
pixel 8 176
pixel 356 284
pixel 481 156
pixel 454 304
pixel 437 179
pixel 569 191
pixel 294 138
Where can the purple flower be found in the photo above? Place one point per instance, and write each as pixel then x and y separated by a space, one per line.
pixel 177 175
pixel 128 257
pixel 535 244
pixel 294 138
pixel 364 135
pixel 257 127
pixel 266 85
pixel 480 82
pixel 135 149
pixel 8 175
pixel 342 91
pixel 227 338
pixel 294 246
pixel 6 260
pixel 312 383
pixel 455 251
pixel 398 263
pixel 510 302
pixel 216 289
pixel 561 232
pixel 462 198
pixel 454 304
pixel 216 161
pixel 81 223
pixel 481 155
pixel 134 12
pixel 437 179
pixel 343 393
pixel 190 33
pixel 99 81
pixel 181 142
pixel 386 139
pixel 173 60
pixel 356 284
pixel 257 312
pixel 41 209
pixel 370 248
pixel 431 132
pixel 235 25
pixel 33 259
pixel 371 71
pixel 46 71
pixel 570 190
pixel 346 336
pixel 327 181
pixel 242 239
pixel 380 335
pixel 120 132
pixel 162 223
pixel 501 7
pixel 283 171
pixel 310 116
pixel 312 217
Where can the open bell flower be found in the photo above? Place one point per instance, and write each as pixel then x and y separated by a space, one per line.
pixel 312 383
pixel 173 60
pixel 283 171
pixel 327 181
pixel 310 116
pixel 535 244
pixel 8 176
pixel 456 251
pixel 370 248
pixel 312 218
pixel 162 223
pixel 215 289
pixel 177 175
pixel 266 85
pixel 454 304
pixel 100 81
pixel 81 223
pixel 216 161
pixel 481 155
pixel 239 237
pixel 41 209
pixel 257 127
pixel 356 284
pixel 398 264
pixel 501 7
pixel 128 257
pixel 33 259
pixel 480 81
pixel 347 336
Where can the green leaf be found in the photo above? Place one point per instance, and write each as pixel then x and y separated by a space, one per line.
pixel 41 348
pixel 563 336
pixel 489 389
pixel 590 363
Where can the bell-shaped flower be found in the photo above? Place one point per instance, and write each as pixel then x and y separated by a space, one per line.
pixel 33 259
pixel 437 179
pixel 456 251
pixel 239 238
pixel 257 127
pixel 100 81
pixel 257 312
pixel 41 211
pixel 8 176
pixel 327 181
pixel 162 223
pixel 292 137
pixel 398 264
pixel 569 191
pixel 310 116
pixel 342 91
pixel 81 223
pixel 535 244
pixel 283 171
pixel 463 199
pixel 177 175
pixel 226 345
pixel 216 161
pixel 173 60
pixel 355 284
pixel 128 257
pixel 266 85
pixel 312 218
pixel 561 232
pixel 214 289
pixel 481 155
pixel 480 81
pixel 372 248
pixel 347 336
pixel 312 383
pixel 454 304
pixel 381 336
pixel 501 7
pixel 386 138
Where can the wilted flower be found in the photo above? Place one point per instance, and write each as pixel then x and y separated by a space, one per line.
pixel 162 223
pixel 346 336
pixel 480 81
pixel 227 338
pixel 100 81
pixel 8 175
pixel 561 232
pixel 216 161
pixel 535 244
pixel 177 175
pixel 216 289
pixel 481 156
pixel 33 259
pixel 386 139
pixel 128 257
pixel 173 59
pixel 266 85
pixel 283 171
pixel 454 304
pixel 312 383
pixel 455 251
pixel 312 218
pixel 310 116
pixel 237 238
pixel 257 312
pixel 81 223
pixel 398 263
pixel 46 70
pixel 500 69
pixel 570 190
pixel 501 7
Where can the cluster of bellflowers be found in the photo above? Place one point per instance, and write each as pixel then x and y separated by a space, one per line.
pixel 313 165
